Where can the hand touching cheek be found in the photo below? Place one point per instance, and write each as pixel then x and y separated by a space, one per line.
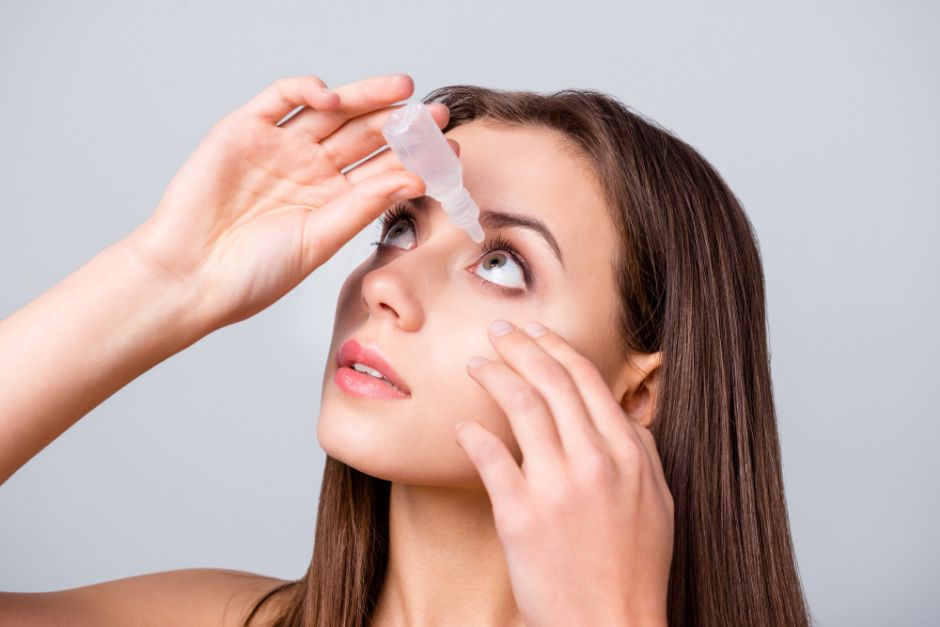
pixel 586 523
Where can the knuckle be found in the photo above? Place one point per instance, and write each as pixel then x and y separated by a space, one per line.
pixel 515 521
pixel 523 399
pixel 593 379
pixel 583 369
pixel 488 451
pixel 594 466
pixel 559 495
pixel 315 79
pixel 555 377
pixel 280 84
pixel 631 454
pixel 284 84
pixel 582 365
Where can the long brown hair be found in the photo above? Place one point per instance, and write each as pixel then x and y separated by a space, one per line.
pixel 691 284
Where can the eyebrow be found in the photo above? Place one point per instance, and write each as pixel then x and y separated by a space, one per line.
pixel 493 219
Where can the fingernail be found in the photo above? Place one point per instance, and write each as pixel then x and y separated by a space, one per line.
pixel 500 327
pixel 475 361
pixel 534 329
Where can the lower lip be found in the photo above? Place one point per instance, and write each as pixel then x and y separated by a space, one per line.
pixel 360 384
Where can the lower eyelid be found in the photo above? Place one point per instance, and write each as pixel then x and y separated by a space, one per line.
pixel 511 292
pixel 501 289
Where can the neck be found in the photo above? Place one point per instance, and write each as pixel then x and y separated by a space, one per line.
pixel 445 563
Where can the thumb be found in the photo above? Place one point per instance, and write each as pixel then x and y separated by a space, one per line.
pixel 328 228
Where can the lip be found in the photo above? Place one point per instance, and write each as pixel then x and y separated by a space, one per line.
pixel 351 351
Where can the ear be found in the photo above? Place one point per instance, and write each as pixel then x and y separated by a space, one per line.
pixel 638 386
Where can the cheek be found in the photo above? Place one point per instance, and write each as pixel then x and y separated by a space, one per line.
pixel 451 395
pixel 350 297
pixel 408 442
pixel 414 441
pixel 463 398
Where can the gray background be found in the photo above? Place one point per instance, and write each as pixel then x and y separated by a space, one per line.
pixel 823 119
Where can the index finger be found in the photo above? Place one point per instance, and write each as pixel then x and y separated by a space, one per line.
pixel 604 410
pixel 607 414
pixel 284 95
pixel 355 99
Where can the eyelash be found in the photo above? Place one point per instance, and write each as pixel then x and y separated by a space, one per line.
pixel 489 245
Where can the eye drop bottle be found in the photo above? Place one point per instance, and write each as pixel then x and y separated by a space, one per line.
pixel 420 145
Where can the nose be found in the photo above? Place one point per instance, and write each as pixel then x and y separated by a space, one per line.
pixel 388 294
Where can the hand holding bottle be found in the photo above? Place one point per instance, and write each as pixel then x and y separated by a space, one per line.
pixel 258 206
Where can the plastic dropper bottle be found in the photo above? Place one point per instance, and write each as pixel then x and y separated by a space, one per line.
pixel 422 148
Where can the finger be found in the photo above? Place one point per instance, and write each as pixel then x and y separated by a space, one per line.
pixel 560 391
pixel 503 480
pixel 355 99
pixel 334 224
pixel 655 460
pixel 606 413
pixel 286 94
pixel 608 416
pixel 361 136
pixel 384 161
pixel 528 415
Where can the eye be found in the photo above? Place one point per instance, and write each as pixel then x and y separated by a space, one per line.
pixel 504 268
pixel 392 225
pixel 505 265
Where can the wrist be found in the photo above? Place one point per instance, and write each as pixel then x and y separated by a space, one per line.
pixel 174 299
pixel 79 342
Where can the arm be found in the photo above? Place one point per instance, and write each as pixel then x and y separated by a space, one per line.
pixel 242 223
pixel 75 345
pixel 254 210
pixel 199 597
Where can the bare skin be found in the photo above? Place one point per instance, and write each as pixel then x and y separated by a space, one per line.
pixel 424 302
pixel 219 249
pixel 249 215
pixel 193 596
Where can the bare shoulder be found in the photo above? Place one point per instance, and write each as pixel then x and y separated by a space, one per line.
pixel 205 597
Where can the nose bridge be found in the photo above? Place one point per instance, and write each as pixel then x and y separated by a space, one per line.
pixel 402 285
pixel 395 288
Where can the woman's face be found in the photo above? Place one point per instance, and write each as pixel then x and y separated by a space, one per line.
pixel 426 299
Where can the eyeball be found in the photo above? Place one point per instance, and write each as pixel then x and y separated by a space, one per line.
pixel 505 270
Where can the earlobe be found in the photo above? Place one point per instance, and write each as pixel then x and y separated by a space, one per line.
pixel 639 387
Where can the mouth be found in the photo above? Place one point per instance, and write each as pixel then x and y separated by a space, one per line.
pixel 364 371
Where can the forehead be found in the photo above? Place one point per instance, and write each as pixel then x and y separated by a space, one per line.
pixel 532 170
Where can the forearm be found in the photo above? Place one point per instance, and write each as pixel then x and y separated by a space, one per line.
pixel 75 345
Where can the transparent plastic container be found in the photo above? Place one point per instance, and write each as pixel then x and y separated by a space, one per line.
pixel 420 145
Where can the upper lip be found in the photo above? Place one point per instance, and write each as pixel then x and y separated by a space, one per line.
pixel 352 351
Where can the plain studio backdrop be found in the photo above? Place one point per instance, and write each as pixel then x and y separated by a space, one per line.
pixel 823 120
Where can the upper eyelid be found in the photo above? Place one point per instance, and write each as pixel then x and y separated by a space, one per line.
pixel 403 211
pixel 399 211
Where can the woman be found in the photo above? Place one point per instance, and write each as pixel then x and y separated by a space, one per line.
pixel 618 459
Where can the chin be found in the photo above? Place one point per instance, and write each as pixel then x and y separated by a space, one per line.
pixel 386 451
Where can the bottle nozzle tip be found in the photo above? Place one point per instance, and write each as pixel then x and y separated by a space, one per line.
pixel 476 232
